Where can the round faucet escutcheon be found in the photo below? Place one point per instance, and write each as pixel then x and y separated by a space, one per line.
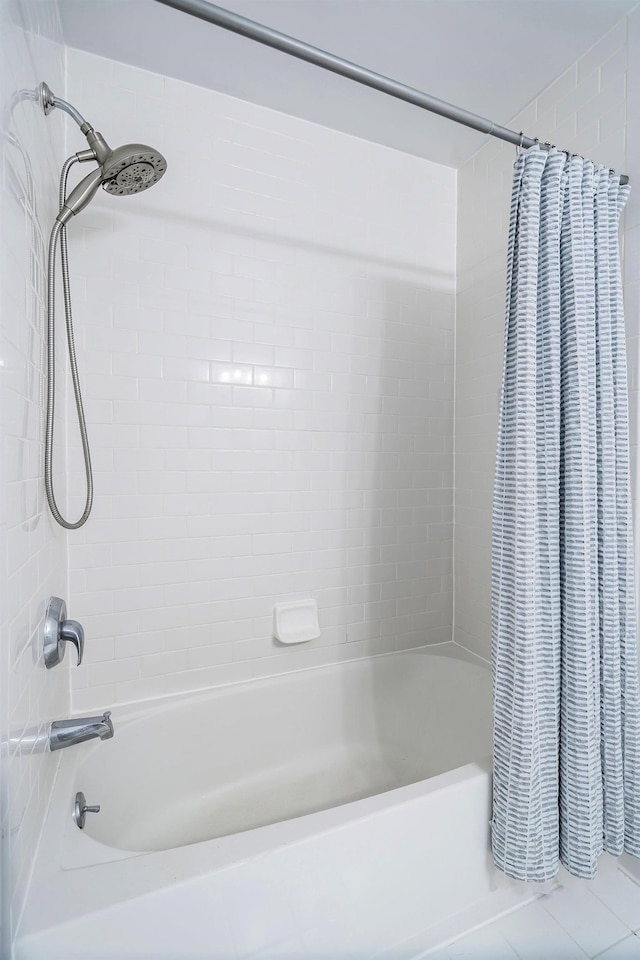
pixel 81 809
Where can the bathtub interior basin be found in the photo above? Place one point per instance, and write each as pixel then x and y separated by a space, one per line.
pixel 243 756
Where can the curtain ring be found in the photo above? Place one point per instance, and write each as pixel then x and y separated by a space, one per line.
pixel 519 147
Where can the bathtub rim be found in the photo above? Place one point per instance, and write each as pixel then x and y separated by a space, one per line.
pixel 448 650
pixel 59 894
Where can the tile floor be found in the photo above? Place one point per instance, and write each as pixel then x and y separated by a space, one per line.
pixel 580 919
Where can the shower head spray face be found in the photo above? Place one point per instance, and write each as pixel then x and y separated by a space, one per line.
pixel 128 169
pixel 132 168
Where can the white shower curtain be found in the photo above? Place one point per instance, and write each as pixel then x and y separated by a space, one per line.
pixel 566 706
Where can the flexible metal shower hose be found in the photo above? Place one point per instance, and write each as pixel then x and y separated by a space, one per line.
pixel 59 232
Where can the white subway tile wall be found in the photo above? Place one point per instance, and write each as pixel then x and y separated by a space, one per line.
pixel 33 553
pixel 266 343
pixel 583 111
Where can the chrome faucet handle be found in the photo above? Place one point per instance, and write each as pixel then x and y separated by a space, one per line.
pixel 73 631
pixel 81 809
pixel 58 631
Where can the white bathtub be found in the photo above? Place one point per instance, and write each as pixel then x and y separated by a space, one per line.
pixel 336 812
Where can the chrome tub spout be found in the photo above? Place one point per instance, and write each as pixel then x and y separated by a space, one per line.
pixel 64 733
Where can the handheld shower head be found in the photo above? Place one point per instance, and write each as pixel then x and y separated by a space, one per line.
pixel 128 169
pixel 132 168
pixel 123 171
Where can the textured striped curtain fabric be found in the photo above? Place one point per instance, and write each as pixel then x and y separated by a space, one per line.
pixel 566 705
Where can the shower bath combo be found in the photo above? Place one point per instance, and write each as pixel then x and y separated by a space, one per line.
pixel 122 171
pixel 353 841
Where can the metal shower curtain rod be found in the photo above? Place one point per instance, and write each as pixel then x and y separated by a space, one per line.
pixel 328 61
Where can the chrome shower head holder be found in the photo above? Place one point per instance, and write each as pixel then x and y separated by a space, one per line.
pixel 48 100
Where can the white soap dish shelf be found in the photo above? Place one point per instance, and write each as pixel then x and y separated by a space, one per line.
pixel 296 622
